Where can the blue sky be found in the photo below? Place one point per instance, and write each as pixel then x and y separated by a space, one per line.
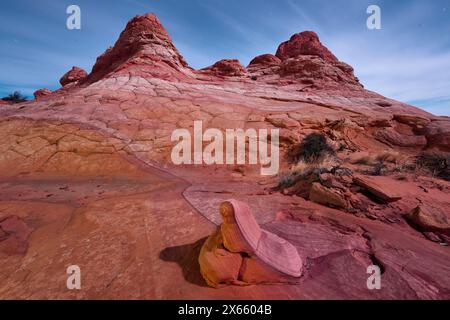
pixel 408 59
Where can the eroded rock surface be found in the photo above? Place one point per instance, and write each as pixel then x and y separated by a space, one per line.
pixel 87 179
pixel 38 94
pixel 74 75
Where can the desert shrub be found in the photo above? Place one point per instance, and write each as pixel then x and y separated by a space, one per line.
pixel 314 148
pixel 378 169
pixel 15 97
pixel 437 164
pixel 288 179
pixel 389 156
pixel 310 174
pixel 364 160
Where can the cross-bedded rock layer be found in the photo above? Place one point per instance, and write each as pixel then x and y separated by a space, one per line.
pixel 87 177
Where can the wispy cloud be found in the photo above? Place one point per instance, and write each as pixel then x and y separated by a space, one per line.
pixel 407 60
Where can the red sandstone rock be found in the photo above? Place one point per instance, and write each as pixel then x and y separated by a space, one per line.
pixel 315 69
pixel 395 138
pixel 218 265
pixel 327 196
pixel 383 192
pixel 227 67
pixel 304 43
pixel 73 76
pixel 283 121
pixel 266 257
pixel 38 94
pixel 265 59
pixel 430 218
pixel 438 134
pixel 254 271
pixel 89 169
pixel 144 43
pixel 13 236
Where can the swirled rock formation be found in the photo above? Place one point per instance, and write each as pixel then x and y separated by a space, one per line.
pixel 87 178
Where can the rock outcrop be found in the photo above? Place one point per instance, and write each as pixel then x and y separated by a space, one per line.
pixel 240 253
pixel 38 94
pixel 73 76
pixel 327 196
pixel 87 177
pixel 144 47
pixel 306 43
pixel 429 218
pixel 227 68
pixel 266 60
pixel 384 193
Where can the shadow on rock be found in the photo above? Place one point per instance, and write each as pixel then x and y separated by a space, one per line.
pixel 186 256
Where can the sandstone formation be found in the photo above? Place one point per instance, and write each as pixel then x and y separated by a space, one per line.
pixel 38 94
pixel 240 253
pixel 87 178
pixel 327 196
pixel 430 218
pixel 226 67
pixel 383 193
pixel 304 44
pixel 72 76
pixel 144 47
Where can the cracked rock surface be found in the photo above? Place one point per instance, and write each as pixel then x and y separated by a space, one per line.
pixel 86 179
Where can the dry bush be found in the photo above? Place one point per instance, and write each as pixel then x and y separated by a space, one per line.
pixel 303 169
pixel 435 163
pixel 313 149
pixel 388 156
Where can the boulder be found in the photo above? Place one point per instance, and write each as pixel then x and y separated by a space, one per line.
pixel 38 94
pixel 254 271
pixel 218 265
pixel 241 253
pixel 327 196
pixel 231 233
pixel 74 75
pixel 380 191
pixel 429 218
